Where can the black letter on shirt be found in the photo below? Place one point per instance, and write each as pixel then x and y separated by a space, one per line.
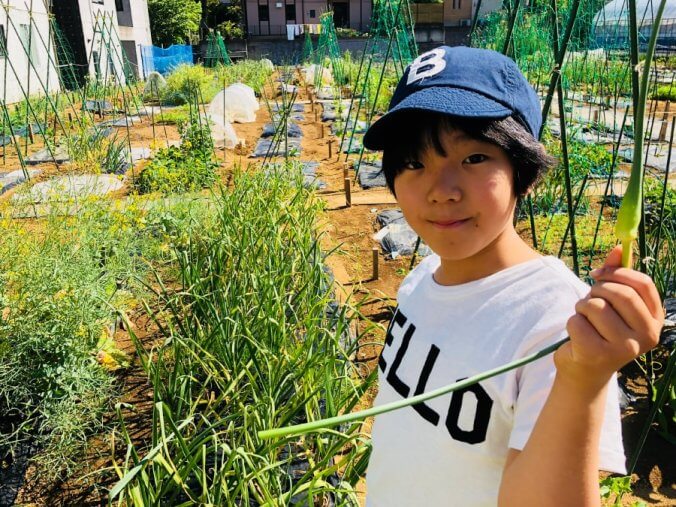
pixel 392 378
pixel 481 418
pixel 400 319
pixel 423 409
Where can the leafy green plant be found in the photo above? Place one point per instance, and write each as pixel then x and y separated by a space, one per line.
pixel 613 488
pixel 664 92
pixel 185 82
pixel 185 168
pixel 253 73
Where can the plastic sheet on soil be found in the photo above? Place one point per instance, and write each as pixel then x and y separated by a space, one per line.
pixel 370 176
pixel 269 130
pixel 398 239
pixel 390 216
pixel 13 178
pixel 271 147
pixel 295 107
pixel 58 155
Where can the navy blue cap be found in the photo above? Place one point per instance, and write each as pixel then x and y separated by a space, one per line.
pixel 464 82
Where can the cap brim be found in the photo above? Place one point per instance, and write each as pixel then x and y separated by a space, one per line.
pixel 445 100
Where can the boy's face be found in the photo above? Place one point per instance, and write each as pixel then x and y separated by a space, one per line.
pixel 460 204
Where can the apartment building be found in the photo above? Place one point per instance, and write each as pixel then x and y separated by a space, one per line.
pixel 271 17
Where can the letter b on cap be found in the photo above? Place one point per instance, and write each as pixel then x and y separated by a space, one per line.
pixel 426 65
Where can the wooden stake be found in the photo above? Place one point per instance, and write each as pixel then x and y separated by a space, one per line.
pixel 595 116
pixel 346 170
pixel 375 257
pixel 30 133
pixel 330 143
pixel 348 192
pixel 315 114
pixel 665 123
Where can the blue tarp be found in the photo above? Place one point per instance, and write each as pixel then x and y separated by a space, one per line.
pixel 164 60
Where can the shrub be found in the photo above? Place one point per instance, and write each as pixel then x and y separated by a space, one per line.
pixel 664 92
pixel 186 82
pixel 185 168
pixel 230 30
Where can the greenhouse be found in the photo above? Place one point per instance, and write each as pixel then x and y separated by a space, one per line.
pixel 612 25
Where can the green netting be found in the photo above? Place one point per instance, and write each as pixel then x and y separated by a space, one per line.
pixel 393 18
pixel 327 48
pixel 308 49
pixel 217 53
pixel 64 59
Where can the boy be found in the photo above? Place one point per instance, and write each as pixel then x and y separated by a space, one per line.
pixel 459 149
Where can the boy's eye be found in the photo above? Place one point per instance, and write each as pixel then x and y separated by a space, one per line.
pixel 477 158
pixel 413 164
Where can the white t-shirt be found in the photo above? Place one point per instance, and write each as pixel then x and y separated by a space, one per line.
pixel 451 450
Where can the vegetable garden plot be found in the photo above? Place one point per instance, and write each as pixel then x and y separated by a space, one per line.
pixel 338 127
pixel 99 106
pixel 308 172
pixel 125 121
pixel 295 108
pixel 331 111
pixel 271 147
pixel 294 370
pixel 276 117
pixel 292 130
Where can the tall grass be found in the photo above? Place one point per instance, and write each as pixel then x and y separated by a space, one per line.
pixel 252 340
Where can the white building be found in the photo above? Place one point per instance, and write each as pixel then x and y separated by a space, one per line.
pixel 104 40
pixel 26 66
pixel 134 23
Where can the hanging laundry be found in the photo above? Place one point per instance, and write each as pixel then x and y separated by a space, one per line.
pixel 290 31
pixel 296 29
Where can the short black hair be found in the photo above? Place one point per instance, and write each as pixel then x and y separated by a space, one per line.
pixel 417 131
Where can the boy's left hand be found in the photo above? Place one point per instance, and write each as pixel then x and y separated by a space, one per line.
pixel 620 319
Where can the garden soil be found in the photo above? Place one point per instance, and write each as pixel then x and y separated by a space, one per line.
pixel 349 231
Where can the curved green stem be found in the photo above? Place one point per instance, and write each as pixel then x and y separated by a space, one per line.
pixel 406 402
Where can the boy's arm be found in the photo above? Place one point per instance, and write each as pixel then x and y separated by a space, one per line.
pixel 620 319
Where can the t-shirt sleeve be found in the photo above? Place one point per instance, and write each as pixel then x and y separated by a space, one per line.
pixel 534 382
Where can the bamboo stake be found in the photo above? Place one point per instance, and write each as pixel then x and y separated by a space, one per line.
pixel 348 192
pixel 374 262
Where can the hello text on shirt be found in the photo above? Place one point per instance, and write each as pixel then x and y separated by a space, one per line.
pixel 484 403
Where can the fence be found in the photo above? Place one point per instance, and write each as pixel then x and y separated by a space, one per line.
pixel 163 60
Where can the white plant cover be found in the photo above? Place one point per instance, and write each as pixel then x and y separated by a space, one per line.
pixel 154 84
pixel 223 133
pixel 268 64
pixel 234 104
pixel 312 70
pixel 248 91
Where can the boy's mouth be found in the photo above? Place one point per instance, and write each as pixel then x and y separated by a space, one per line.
pixel 449 224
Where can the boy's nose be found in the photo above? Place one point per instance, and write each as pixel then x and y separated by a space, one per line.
pixel 445 186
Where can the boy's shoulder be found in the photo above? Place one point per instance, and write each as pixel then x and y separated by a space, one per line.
pixel 545 274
